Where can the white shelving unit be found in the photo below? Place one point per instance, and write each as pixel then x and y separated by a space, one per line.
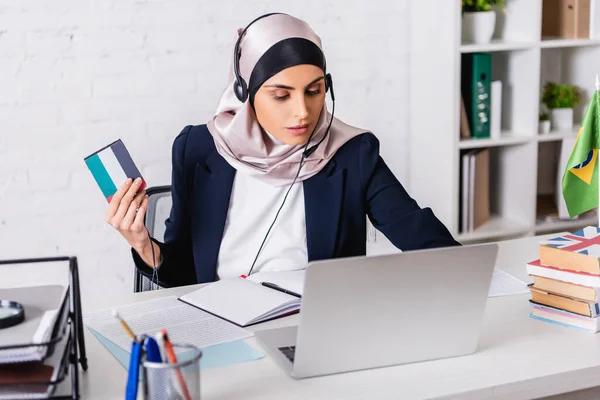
pixel 523 163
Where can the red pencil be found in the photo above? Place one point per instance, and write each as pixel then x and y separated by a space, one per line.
pixel 173 359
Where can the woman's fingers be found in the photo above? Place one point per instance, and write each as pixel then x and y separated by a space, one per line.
pixel 138 222
pixel 116 201
pixel 132 211
pixel 125 203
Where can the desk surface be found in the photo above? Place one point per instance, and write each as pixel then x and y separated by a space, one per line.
pixel 518 358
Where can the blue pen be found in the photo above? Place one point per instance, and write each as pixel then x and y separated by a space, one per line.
pixel 134 370
pixel 153 354
pixel 152 350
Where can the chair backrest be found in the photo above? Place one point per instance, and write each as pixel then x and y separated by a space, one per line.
pixel 159 208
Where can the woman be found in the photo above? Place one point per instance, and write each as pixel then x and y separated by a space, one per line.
pixel 274 180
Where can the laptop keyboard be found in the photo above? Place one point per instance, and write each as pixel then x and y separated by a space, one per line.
pixel 289 352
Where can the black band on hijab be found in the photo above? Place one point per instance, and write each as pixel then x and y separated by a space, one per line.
pixel 284 54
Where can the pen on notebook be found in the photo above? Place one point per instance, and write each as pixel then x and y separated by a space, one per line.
pixel 280 289
pixel 123 324
pixel 173 359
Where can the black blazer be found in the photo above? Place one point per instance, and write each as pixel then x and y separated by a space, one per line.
pixel 356 182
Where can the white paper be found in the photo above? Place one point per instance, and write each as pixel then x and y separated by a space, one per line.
pixel 184 323
pixel 505 284
pixel 43 334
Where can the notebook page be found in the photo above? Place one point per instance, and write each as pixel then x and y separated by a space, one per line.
pixel 237 300
pixel 285 309
pixel 184 323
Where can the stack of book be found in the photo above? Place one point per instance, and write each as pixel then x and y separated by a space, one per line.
pixel 566 280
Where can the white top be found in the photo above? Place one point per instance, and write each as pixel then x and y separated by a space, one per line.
pixel 252 209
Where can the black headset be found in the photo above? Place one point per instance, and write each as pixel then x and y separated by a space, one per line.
pixel 240 88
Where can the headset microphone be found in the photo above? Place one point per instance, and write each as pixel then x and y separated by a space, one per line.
pixel 328 87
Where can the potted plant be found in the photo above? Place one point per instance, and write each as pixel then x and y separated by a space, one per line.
pixel 479 20
pixel 560 100
pixel 544 126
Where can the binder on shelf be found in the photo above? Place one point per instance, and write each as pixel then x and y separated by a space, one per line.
pixel 62 351
pixel 476 77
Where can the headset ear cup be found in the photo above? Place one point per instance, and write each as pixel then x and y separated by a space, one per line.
pixel 329 85
pixel 240 89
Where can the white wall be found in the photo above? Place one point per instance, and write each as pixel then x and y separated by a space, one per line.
pixel 77 74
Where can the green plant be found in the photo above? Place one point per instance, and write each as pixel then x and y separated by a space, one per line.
pixel 544 116
pixel 480 5
pixel 558 95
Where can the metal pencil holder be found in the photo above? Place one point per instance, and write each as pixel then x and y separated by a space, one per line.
pixel 173 381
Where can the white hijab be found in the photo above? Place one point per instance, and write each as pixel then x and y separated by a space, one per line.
pixel 238 136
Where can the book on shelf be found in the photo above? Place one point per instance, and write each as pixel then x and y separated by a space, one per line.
pixel 495 109
pixel 475 189
pixel 547 211
pixel 595 20
pixel 465 130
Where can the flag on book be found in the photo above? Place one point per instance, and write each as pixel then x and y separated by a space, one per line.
pixel 111 166
pixel 585 241
pixel 580 180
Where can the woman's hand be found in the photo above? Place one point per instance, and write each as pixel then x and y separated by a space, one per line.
pixel 126 213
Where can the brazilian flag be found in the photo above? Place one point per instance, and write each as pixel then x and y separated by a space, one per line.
pixel 580 180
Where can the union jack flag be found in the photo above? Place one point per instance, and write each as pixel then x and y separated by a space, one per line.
pixel 585 241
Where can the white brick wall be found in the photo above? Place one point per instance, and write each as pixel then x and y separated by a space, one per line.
pixel 76 74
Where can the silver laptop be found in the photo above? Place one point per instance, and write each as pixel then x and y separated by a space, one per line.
pixel 367 312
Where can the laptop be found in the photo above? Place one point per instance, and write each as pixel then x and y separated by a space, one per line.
pixel 368 312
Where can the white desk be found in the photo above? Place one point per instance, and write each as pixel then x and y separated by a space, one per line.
pixel 518 358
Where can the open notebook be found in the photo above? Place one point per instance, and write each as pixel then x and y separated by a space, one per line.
pixel 246 301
